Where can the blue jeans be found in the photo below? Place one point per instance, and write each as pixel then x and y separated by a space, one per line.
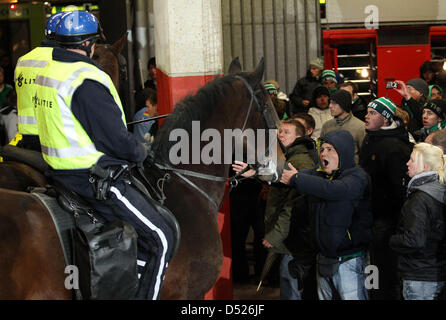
pixel 349 281
pixel 421 290
pixel 289 289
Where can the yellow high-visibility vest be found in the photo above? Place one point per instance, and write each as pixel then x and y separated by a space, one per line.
pixel 28 66
pixel 65 144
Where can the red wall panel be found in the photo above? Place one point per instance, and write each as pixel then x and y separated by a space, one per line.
pixel 399 63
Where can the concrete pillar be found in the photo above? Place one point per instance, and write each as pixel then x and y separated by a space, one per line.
pixel 188 47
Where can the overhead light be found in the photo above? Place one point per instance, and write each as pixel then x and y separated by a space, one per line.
pixel 364 73
pixel 444 65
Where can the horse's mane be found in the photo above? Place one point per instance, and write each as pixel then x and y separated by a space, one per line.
pixel 198 107
pixel 108 61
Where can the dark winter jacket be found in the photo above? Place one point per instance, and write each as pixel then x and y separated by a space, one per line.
pixel 281 198
pixel 420 237
pixel 338 205
pixel 415 110
pixel 300 241
pixel 303 90
pixel 359 108
pixel 383 155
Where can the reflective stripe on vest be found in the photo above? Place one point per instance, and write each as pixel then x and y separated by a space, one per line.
pixel 27 120
pixel 65 144
pixel 32 63
pixel 28 66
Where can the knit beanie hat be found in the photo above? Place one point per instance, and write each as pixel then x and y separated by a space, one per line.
pixel 319 91
pixel 420 85
pixel 340 77
pixel 318 63
pixel 271 88
pixel 343 98
pixel 427 66
pixel 384 106
pixel 329 75
pixel 438 107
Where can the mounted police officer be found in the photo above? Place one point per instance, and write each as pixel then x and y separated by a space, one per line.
pixel 82 130
pixel 25 73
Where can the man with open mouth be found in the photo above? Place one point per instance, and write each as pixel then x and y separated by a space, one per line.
pixel 338 208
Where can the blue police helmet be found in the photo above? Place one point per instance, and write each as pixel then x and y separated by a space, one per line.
pixel 76 27
pixel 51 23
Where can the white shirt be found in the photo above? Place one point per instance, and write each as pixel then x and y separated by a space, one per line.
pixel 320 117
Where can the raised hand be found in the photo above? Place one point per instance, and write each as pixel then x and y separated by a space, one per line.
pixel 239 166
pixel 402 89
pixel 288 174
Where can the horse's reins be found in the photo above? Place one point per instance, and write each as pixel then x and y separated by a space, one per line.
pixel 148 119
pixel 234 180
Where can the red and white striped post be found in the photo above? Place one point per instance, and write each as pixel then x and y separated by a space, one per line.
pixel 189 53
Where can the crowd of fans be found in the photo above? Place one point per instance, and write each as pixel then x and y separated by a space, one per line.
pixel 375 194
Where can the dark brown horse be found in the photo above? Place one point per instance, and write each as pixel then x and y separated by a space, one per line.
pixel 20 176
pixel 225 103
pixel 28 240
pixel 32 265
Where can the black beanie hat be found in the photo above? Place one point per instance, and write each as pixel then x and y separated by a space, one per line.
pixel 319 91
pixel 427 66
pixel 437 106
pixel 343 98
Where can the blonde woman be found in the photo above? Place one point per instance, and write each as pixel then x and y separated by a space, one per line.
pixel 420 238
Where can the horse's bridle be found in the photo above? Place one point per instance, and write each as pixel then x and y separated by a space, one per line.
pixel 271 123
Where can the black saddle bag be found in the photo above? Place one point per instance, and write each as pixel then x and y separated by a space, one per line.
pixel 105 253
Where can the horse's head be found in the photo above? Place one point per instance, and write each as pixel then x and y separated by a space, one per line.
pixel 110 59
pixel 259 115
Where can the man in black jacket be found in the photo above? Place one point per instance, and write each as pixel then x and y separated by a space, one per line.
pixel 384 153
pixel 303 90
pixel 340 220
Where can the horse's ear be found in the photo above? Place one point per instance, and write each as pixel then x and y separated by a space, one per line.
pixel 235 66
pixel 257 75
pixel 120 43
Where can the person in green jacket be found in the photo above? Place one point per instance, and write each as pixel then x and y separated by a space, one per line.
pixel 281 199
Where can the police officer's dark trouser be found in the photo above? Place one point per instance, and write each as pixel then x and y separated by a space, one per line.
pixel 155 238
